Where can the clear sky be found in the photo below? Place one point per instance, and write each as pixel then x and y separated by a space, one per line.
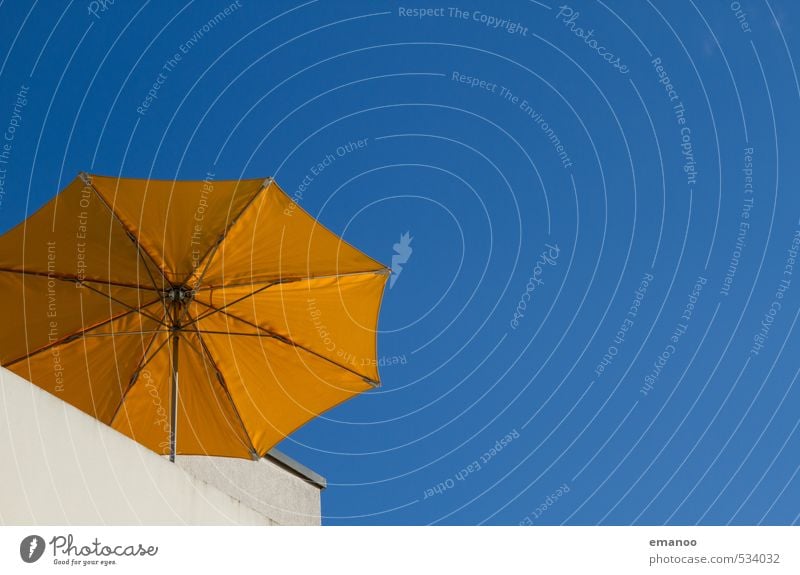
pixel 596 319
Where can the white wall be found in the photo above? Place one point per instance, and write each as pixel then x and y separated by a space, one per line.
pixel 59 466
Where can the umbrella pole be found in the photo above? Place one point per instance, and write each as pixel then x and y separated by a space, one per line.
pixel 173 416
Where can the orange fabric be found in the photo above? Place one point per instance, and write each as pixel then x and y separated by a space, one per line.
pixel 278 240
pixel 176 222
pixel 279 325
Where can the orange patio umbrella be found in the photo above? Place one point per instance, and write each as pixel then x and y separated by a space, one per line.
pixel 196 317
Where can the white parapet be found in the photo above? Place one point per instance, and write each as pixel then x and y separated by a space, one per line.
pixel 62 467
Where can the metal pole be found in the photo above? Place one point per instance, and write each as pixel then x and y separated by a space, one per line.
pixel 173 419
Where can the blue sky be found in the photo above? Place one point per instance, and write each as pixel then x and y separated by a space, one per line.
pixel 590 327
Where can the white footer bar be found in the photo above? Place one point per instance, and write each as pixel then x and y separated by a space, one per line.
pixel 406 550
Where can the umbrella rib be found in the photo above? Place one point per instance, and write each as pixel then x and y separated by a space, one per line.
pixel 382 271
pixel 71 337
pixel 130 307
pixel 205 351
pixel 139 248
pixel 217 310
pixel 119 333
pixel 70 278
pixel 288 341
pixel 276 282
pixel 211 252
pixel 135 376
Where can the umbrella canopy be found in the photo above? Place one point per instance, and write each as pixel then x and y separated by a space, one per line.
pixel 196 317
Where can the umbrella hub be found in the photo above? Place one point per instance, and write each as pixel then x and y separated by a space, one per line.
pixel 179 295
pixel 177 299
